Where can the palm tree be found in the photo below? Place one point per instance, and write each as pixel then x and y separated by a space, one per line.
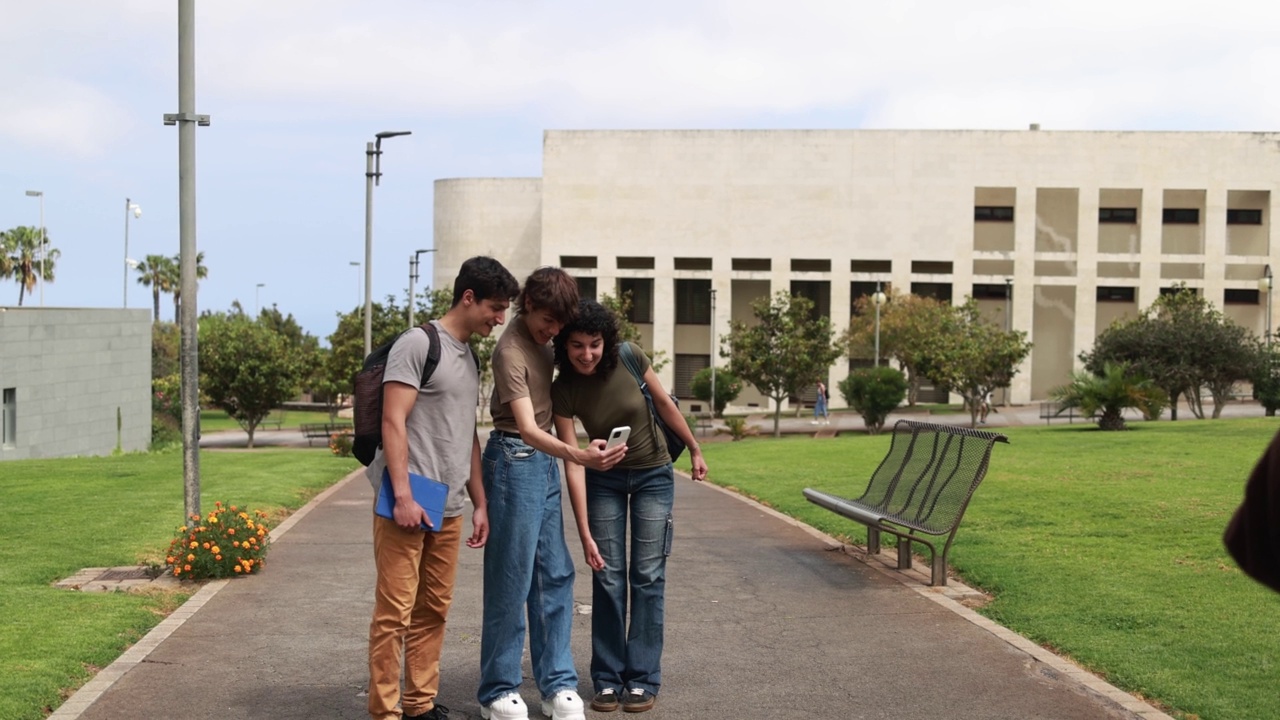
pixel 175 280
pixel 20 258
pixel 1108 394
pixel 154 273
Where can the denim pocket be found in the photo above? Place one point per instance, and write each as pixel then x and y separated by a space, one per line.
pixel 670 536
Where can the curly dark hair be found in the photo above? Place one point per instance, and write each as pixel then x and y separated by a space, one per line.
pixel 593 319
pixel 550 289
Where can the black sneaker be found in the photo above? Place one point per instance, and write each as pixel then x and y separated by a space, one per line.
pixel 439 712
pixel 605 701
pixel 638 700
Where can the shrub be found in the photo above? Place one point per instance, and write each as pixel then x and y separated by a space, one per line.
pixel 226 543
pixel 728 387
pixel 164 431
pixel 340 444
pixel 874 393
pixel 737 427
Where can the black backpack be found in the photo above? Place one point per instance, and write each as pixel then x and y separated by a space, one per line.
pixel 366 399
pixel 675 446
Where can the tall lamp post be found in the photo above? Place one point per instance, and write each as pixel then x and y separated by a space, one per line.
pixel 1008 320
pixel 413 278
pixel 129 209
pixel 256 311
pixel 356 264
pixel 373 176
pixel 1264 285
pixel 878 299
pixel 712 354
pixel 40 276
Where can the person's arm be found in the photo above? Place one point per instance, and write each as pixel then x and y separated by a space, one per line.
pixel 397 402
pixel 593 456
pixel 479 501
pixel 670 414
pixel 575 478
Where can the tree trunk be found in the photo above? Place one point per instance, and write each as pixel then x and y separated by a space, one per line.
pixel 777 416
pixel 155 303
pixel 252 427
pixel 1111 419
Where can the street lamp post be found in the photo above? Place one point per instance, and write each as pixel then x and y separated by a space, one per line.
pixel 1265 285
pixel 373 176
pixel 877 299
pixel 1008 321
pixel 413 278
pixel 256 310
pixel 129 208
pixel 40 276
pixel 356 264
pixel 712 354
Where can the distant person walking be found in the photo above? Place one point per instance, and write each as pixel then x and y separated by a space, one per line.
pixel 820 415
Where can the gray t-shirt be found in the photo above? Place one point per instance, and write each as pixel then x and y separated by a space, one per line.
pixel 442 425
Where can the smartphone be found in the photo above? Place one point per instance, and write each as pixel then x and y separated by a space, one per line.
pixel 618 436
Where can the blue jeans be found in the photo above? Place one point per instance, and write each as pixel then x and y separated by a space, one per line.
pixel 622 656
pixel 526 562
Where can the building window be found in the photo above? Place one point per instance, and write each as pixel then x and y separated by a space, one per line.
pixel 859 289
pixel 752 264
pixel 818 292
pixel 990 291
pixel 1244 217
pixel 635 263
pixel 686 366
pixel 993 213
pixel 582 262
pixel 586 287
pixel 930 267
pixel 938 291
pixel 871 266
pixel 798 265
pixel 1115 294
pixel 1232 296
pixel 1178 289
pixel 693 302
pixel 9 418
pixel 1182 216
pixel 1118 215
pixel 641 292
pixel 693 263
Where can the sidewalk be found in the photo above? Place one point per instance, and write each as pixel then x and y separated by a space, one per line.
pixel 763 621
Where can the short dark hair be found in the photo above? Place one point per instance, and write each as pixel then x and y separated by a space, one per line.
pixel 593 319
pixel 550 289
pixel 486 278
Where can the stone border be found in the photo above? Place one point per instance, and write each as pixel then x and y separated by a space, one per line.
pixel 952 596
pixel 88 693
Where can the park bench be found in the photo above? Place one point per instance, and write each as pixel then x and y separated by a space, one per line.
pixel 323 431
pixel 701 423
pixel 274 418
pixel 921 488
pixel 1050 411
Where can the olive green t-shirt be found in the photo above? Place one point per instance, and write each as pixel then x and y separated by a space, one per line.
pixel 605 402
pixel 521 368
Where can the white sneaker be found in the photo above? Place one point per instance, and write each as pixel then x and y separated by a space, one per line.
pixel 564 705
pixel 508 707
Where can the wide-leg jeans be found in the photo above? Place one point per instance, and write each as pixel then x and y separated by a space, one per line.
pixel 526 566
pixel 622 655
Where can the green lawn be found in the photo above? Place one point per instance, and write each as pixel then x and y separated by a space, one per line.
pixel 66 514
pixel 217 420
pixel 1105 547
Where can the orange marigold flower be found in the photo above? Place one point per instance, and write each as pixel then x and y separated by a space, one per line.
pixel 233 508
pixel 187 568
pixel 169 560
pixel 177 572
pixel 191 558
pixel 194 544
pixel 217 557
pixel 236 543
pixel 237 569
pixel 213 519
pixel 231 531
pixel 215 550
pixel 262 531
pixel 217 503
pixel 205 546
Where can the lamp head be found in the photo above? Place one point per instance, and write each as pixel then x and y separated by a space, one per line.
pixel 35 193
pixel 136 210
pixel 392 133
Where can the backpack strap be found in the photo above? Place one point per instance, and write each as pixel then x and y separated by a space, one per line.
pixel 433 353
pixel 629 359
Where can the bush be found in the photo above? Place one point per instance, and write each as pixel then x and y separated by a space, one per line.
pixel 737 427
pixel 164 431
pixel 874 393
pixel 728 387
pixel 340 444
pixel 229 542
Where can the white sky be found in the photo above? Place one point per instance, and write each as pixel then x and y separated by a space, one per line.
pixel 295 89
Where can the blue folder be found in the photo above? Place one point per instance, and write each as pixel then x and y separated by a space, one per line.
pixel 430 494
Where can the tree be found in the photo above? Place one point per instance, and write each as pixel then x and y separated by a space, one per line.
pixel 1107 395
pixel 1266 378
pixel 784 351
pixel 246 368
pixel 620 305
pixel 174 279
pixel 728 387
pixel 874 392
pixel 907 324
pixel 156 272
pixel 971 356
pixel 21 259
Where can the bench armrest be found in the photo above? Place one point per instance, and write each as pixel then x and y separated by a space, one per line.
pixel 844 506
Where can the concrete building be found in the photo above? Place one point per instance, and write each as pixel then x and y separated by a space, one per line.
pixel 1068 231
pixel 74 381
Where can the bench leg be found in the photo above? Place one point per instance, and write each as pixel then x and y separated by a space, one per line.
pixel 904 554
pixel 938 577
pixel 873 541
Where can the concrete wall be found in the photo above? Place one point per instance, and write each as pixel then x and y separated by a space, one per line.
pixel 902 197
pixel 498 217
pixel 73 370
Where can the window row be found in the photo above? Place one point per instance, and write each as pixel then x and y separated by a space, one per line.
pixel 1129 215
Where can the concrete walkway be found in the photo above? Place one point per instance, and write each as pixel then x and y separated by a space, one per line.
pixel 764 620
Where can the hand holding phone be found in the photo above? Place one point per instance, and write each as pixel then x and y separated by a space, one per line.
pixel 618 436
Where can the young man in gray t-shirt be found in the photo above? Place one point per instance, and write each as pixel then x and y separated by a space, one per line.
pixel 429 430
